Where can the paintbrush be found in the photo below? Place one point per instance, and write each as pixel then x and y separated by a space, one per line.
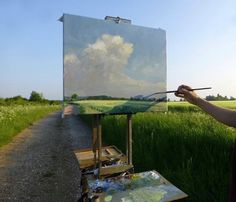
pixel 175 91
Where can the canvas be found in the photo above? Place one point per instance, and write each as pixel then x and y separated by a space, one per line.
pixel 113 68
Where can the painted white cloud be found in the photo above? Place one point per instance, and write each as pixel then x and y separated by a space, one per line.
pixel 99 70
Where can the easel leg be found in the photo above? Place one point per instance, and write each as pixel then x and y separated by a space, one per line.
pixel 99 144
pixel 95 134
pixel 129 139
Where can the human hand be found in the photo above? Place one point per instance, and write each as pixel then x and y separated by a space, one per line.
pixel 187 93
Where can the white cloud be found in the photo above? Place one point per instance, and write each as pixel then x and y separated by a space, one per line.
pixel 99 70
pixel 70 59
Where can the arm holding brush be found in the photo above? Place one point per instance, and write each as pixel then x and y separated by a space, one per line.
pixel 222 115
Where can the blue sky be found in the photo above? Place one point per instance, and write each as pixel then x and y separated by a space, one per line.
pixel 201 41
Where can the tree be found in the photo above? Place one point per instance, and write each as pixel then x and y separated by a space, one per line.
pixel 36 97
pixel 18 98
pixel 218 97
pixel 74 97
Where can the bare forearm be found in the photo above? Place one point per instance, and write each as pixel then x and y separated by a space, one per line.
pixel 225 116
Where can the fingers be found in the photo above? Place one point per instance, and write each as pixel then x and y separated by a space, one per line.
pixel 179 95
pixel 187 93
pixel 184 88
pixel 182 91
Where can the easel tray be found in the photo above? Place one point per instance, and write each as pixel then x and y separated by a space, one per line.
pixel 109 153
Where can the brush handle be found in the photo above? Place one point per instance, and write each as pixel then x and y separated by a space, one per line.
pixel 175 91
pixel 193 89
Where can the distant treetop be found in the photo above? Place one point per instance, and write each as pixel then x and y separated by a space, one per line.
pixel 219 98
pixel 36 97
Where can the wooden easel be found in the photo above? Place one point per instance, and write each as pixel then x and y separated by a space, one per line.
pixel 97 147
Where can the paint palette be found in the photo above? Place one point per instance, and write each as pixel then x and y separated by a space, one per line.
pixel 139 187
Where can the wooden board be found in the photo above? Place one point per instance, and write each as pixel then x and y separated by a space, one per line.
pixel 115 169
pixel 109 153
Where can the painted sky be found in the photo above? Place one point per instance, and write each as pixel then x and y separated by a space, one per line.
pixel 118 60
pixel 201 41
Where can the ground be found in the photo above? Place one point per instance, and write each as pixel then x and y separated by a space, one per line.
pixel 39 164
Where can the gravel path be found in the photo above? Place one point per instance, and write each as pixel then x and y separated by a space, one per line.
pixel 39 164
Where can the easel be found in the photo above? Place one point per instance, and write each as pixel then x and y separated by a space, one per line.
pixel 97 147
pixel 113 164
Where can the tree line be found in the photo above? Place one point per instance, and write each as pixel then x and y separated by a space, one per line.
pixel 35 98
pixel 219 97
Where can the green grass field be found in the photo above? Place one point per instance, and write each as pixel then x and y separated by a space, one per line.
pixel 185 145
pixel 117 106
pixel 15 118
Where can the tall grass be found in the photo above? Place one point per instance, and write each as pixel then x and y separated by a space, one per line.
pixel 17 117
pixel 185 145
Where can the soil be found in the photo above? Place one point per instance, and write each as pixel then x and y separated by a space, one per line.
pixel 39 164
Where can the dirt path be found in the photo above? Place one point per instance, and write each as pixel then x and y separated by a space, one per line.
pixel 39 165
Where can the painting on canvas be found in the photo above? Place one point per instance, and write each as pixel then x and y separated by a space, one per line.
pixel 113 68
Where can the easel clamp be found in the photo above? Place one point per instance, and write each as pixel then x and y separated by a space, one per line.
pixel 118 19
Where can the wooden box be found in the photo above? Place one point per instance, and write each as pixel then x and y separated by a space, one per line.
pixel 109 154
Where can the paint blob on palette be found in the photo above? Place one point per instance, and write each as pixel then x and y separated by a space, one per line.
pixel 146 186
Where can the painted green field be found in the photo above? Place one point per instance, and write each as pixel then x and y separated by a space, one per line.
pixel 117 106
pixel 185 145
pixel 15 118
